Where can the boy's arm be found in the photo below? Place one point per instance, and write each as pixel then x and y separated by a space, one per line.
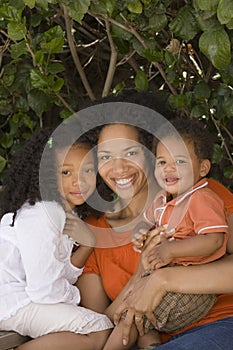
pixel 200 245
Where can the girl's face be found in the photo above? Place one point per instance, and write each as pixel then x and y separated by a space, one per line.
pixel 121 160
pixel 76 174
pixel 177 166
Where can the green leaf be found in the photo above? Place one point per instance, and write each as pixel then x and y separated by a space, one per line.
pixel 184 25
pixel 16 31
pixel 199 111
pixel 6 141
pixel 77 9
pixel 134 6
pixel 225 11
pixel 207 20
pixel 228 172
pixel 38 101
pixel 39 57
pixel 217 47
pixel 38 80
pixel 141 82
pixel 30 3
pixel 3 163
pixel 104 6
pixel 177 101
pixel 202 91
pixel 217 154
pixel 18 49
pixel 227 105
pixel 158 22
pixel 55 68
pixel 153 55
pixel 58 85
pixel 206 5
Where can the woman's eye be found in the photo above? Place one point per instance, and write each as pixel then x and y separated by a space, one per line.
pixel 65 172
pixel 131 153
pixel 89 170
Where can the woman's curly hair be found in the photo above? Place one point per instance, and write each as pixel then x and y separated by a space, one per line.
pixel 32 175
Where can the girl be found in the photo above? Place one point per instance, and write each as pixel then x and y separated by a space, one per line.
pixel 37 271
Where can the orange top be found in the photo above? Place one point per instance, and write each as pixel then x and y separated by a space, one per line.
pixel 195 212
pixel 117 263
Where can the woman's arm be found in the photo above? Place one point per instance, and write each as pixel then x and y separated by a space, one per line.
pixel 149 291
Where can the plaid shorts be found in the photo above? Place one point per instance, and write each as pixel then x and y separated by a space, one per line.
pixel 178 310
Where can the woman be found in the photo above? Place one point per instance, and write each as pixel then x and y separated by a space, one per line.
pixel 109 268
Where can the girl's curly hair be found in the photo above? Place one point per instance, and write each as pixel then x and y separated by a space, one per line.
pixel 32 175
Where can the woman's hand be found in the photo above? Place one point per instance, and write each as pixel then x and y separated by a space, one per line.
pixel 78 230
pixel 140 300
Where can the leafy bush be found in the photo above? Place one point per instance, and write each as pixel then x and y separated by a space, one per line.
pixel 56 55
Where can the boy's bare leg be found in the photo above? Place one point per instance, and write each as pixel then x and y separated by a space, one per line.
pixel 68 341
pixel 114 341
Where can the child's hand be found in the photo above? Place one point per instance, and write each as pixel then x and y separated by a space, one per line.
pixel 138 239
pixel 78 230
pixel 153 254
pixel 159 256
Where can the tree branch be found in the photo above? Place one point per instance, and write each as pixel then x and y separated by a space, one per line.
pixel 112 63
pixel 75 56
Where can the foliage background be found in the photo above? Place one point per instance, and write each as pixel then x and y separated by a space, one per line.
pixel 57 55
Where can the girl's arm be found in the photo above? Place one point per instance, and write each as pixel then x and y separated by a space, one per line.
pixel 78 230
pixel 79 257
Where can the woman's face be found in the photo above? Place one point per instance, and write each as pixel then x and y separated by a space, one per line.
pixel 121 160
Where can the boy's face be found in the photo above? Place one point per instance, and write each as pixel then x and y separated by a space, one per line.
pixel 177 167
pixel 76 174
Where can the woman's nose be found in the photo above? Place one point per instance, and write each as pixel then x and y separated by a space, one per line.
pixel 119 165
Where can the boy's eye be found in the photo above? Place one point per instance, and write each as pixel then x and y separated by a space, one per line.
pixel 160 163
pixel 180 161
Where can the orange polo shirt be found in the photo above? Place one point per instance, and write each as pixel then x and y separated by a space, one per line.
pixel 197 211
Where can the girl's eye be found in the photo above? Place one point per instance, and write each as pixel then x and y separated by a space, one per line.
pixel 104 157
pixel 65 172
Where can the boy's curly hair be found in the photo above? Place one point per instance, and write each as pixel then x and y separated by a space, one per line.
pixel 34 165
pixel 191 130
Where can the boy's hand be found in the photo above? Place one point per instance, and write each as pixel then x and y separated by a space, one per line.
pixel 139 238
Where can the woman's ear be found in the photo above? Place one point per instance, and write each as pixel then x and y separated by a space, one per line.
pixel 205 167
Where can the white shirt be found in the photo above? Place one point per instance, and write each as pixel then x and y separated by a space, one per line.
pixel 35 261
